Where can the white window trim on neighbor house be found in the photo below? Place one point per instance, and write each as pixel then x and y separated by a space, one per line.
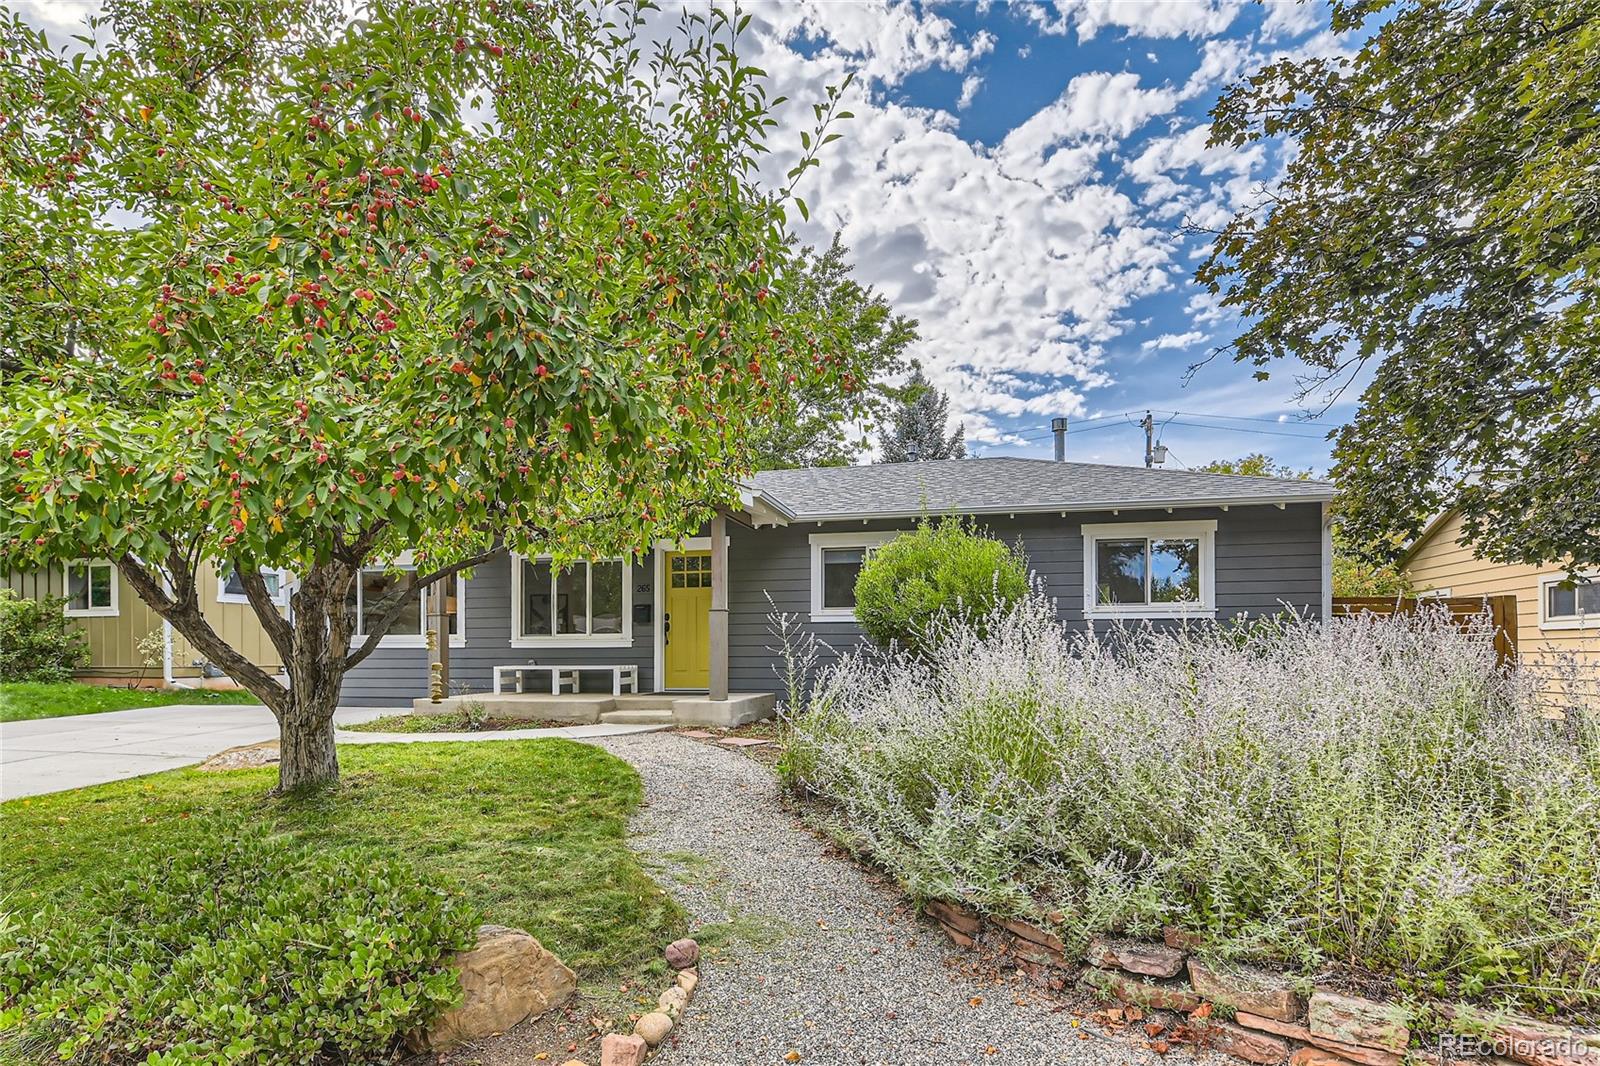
pixel 1204 530
pixel 412 640
pixel 1580 620
pixel 224 596
pixel 572 640
pixel 91 611
pixel 822 541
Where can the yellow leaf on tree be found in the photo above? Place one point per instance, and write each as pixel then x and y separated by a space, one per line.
pixel 272 245
pixel 276 523
pixel 145 113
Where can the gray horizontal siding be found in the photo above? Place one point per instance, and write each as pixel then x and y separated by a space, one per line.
pixel 393 677
pixel 1266 558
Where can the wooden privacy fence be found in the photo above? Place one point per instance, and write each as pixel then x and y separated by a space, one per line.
pixel 1463 610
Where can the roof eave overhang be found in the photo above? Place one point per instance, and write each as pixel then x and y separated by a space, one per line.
pixel 763 509
pixel 1064 508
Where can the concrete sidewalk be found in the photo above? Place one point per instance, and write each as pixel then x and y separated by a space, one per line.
pixel 55 754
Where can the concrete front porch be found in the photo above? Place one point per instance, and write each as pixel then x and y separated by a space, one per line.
pixel 649 708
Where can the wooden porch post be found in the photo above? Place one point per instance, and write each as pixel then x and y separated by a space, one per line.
pixel 719 606
pixel 438 623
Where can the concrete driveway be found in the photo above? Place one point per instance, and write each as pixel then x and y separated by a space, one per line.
pixel 53 754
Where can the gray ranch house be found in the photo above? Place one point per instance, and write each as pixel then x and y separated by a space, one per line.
pixel 681 634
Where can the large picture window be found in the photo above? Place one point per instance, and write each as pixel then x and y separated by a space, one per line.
pixel 1149 570
pixel 91 588
pixel 836 562
pixel 411 627
pixel 587 603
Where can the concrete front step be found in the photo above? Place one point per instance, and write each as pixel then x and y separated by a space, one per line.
pixel 638 716
pixel 645 701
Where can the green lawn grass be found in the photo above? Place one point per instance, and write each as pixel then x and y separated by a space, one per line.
pixel 533 831
pixel 23 700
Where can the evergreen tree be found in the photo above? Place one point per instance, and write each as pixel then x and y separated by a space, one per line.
pixel 916 430
pixel 819 430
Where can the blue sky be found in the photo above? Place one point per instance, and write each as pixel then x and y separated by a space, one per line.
pixel 1016 179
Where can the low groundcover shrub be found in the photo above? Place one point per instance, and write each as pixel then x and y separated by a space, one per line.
pixel 1372 793
pixel 243 950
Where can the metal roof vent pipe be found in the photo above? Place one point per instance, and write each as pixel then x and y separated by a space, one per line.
pixel 1058 426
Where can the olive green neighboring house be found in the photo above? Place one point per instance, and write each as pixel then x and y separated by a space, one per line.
pixel 116 624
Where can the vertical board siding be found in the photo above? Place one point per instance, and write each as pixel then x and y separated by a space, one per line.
pixel 114 639
pixel 1267 560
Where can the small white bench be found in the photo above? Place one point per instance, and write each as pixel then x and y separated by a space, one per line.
pixel 621 674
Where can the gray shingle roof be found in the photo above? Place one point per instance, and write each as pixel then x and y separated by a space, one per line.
pixel 1004 484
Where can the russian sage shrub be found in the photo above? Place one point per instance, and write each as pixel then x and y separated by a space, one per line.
pixel 1366 791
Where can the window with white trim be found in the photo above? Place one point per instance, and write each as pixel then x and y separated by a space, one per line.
pixel 230 589
pixel 1149 569
pixel 91 588
pixel 836 562
pixel 410 629
pixel 582 603
pixel 1568 604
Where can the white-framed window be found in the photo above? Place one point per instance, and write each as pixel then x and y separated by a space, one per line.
pixel 836 561
pixel 1150 570
pixel 588 603
pixel 231 590
pixel 1565 604
pixel 410 630
pixel 91 588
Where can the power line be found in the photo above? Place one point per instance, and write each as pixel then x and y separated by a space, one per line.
pixel 1244 429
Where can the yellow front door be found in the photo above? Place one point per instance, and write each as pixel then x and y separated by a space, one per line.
pixel 686 621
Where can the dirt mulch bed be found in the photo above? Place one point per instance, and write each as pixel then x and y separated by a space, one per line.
pixel 244 757
pixel 743 739
pixel 571 1031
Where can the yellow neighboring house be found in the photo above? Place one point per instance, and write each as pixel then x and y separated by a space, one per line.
pixel 129 643
pixel 1558 625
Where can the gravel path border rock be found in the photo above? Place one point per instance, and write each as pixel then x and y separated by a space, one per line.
pixel 806 956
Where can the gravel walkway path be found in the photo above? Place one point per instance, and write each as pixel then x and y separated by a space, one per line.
pixel 818 957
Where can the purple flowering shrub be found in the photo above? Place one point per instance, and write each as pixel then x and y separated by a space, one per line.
pixel 1372 792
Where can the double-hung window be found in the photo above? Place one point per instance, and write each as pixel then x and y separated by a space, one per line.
pixel 230 589
pixel 836 561
pixel 581 603
pixel 410 628
pixel 91 588
pixel 1149 570
pixel 1568 604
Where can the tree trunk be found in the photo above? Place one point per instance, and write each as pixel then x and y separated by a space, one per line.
pixel 306 754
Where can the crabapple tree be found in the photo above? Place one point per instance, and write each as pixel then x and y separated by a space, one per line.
pixel 288 287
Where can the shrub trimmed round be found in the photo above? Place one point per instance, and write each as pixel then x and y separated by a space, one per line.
pixel 939 571
pixel 243 948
